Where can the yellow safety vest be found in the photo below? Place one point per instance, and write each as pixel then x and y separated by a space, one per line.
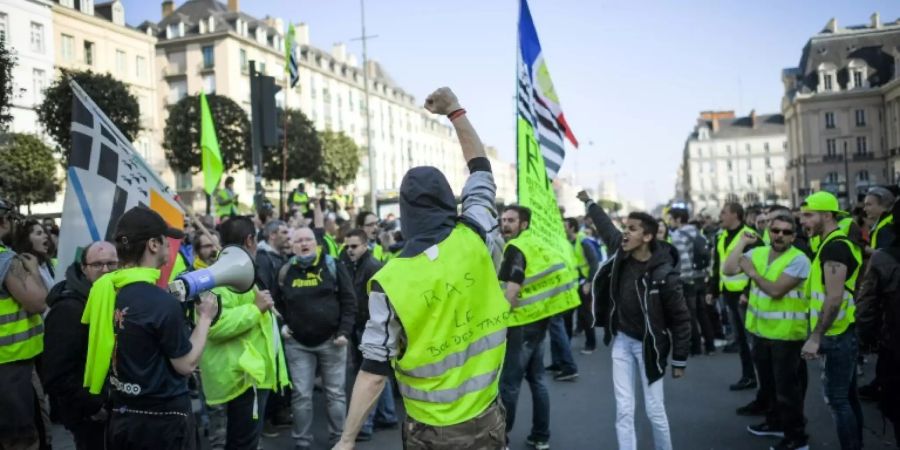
pixel 584 268
pixel 889 220
pixel 815 288
pixel 550 286
pixel 21 333
pixel 331 246
pixel 785 318
pixel 731 283
pixel 301 199
pixel 225 210
pixel 454 316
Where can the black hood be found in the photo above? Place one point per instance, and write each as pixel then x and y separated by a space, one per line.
pixel 76 285
pixel 428 209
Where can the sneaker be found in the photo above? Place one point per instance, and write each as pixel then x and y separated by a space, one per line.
pixel 588 350
pixel 566 375
pixel 743 384
pixel 552 368
pixel 753 408
pixel 766 429
pixel 787 444
pixel 537 444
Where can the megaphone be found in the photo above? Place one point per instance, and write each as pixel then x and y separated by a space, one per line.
pixel 234 269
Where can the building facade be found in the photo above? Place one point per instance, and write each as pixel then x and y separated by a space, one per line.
pixel 841 113
pixel 95 37
pixel 27 28
pixel 734 159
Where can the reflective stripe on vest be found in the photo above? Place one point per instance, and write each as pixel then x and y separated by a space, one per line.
pixel 785 318
pixel 454 316
pixel 21 333
pixel 550 286
pixel 815 287
pixel 731 283
pixel 888 220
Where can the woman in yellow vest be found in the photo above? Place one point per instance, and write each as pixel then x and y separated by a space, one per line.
pixel 22 296
pixel 830 286
pixel 441 293
pixel 778 317
pixel 877 204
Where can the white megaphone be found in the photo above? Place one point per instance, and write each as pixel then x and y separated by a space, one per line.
pixel 234 269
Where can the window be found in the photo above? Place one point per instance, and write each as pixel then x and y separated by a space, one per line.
pixel 768 163
pixel 37 37
pixel 177 91
pixel 40 80
pixel 861 145
pixel 831 147
pixel 831 178
pixel 862 175
pixel 140 67
pixel 243 58
pixel 209 83
pixel 87 7
pixel 828 81
pixel 262 68
pixel 4 25
pixel 89 53
pixel 120 62
pixel 173 31
pixel 768 178
pixel 749 180
pixel 766 147
pixel 209 58
pixel 728 164
pixel 118 14
pixel 68 47
pixel 829 120
pixel 747 147
pixel 860 117
pixel 857 78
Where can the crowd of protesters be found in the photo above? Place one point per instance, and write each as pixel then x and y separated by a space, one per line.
pixel 779 286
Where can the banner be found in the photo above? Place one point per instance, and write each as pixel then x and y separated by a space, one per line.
pixel 105 178
pixel 536 136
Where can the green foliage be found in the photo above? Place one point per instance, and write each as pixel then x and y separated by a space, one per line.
pixel 304 149
pixel 181 137
pixel 110 94
pixel 7 62
pixel 28 170
pixel 340 160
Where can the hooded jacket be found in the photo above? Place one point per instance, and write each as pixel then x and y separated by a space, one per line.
pixel 361 271
pixel 665 314
pixel 65 349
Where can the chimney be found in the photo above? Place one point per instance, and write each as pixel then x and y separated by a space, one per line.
pixel 301 34
pixel 831 26
pixel 753 122
pixel 715 116
pixel 234 5
pixel 876 20
pixel 167 7
pixel 339 52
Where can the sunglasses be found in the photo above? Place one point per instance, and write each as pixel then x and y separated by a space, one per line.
pixel 783 232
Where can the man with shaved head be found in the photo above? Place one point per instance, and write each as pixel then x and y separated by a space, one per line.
pixel 65 346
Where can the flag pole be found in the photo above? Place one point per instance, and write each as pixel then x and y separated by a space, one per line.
pixel 284 148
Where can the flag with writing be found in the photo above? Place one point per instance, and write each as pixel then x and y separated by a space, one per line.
pixel 538 102
pixel 106 177
pixel 290 54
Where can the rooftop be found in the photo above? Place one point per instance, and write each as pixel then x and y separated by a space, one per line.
pixel 741 127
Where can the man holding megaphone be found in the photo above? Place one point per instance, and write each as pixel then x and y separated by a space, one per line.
pixel 244 361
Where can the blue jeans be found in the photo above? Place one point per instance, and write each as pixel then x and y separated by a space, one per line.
pixel 560 348
pixel 525 359
pixel 384 411
pixel 839 383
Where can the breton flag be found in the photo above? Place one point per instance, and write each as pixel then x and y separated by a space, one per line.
pixel 538 103
pixel 290 64
pixel 105 178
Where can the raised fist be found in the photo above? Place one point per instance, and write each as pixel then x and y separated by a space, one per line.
pixel 442 101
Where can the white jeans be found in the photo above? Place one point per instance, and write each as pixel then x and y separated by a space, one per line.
pixel 627 355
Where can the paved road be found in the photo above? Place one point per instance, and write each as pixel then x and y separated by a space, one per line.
pixel 700 407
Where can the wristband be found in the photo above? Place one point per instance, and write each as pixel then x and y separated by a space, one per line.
pixel 456 114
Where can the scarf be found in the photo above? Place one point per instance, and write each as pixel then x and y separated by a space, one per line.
pixel 98 315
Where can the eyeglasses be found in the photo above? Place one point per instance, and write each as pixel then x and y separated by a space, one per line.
pixel 111 265
pixel 784 232
pixel 371 224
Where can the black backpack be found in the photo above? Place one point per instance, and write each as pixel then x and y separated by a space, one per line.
pixel 702 258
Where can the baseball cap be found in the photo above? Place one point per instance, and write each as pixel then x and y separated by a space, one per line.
pixel 821 202
pixel 141 222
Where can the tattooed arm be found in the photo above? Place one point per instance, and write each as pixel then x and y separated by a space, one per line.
pixel 24 284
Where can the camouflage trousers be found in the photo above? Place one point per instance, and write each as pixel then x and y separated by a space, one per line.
pixel 485 432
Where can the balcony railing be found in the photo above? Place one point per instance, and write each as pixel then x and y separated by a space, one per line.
pixel 174 71
pixel 833 158
pixel 863 156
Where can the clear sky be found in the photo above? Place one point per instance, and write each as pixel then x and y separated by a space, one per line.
pixel 632 76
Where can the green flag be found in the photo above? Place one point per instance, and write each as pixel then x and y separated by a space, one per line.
pixel 209 146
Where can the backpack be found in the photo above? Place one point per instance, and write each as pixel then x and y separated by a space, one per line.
pixel 701 253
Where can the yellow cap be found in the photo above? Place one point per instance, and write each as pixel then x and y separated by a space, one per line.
pixel 821 202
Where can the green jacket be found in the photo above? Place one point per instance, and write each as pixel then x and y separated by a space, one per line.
pixel 243 350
